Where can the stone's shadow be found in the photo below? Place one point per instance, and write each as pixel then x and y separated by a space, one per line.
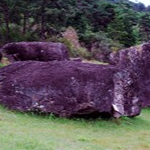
pixel 94 116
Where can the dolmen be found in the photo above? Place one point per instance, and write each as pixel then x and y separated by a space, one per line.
pixel 75 89
pixel 39 51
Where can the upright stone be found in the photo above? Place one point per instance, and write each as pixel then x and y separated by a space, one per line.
pixel 137 61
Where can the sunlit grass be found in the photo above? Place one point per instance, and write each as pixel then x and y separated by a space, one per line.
pixel 4 62
pixel 30 132
pixel 94 62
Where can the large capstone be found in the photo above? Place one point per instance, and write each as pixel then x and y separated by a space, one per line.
pixel 68 88
pixel 41 51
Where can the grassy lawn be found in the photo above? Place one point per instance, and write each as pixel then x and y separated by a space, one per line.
pixel 30 132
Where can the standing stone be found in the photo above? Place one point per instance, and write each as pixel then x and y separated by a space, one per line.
pixel 137 61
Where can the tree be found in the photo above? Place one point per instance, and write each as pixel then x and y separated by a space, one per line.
pixel 7 9
pixel 102 14
pixel 121 28
pixel 145 26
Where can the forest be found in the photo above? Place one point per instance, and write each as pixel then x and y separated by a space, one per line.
pixel 101 26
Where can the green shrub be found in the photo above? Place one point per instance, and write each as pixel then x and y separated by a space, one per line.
pixel 76 52
pixel 72 51
pixel 1 65
pixel 83 53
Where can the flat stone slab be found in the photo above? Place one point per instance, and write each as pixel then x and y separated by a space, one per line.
pixel 41 51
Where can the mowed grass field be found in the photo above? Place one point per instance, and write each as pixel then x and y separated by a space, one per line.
pixel 31 132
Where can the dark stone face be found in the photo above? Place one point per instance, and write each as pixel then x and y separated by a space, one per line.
pixel 144 76
pixel 41 51
pixel 0 56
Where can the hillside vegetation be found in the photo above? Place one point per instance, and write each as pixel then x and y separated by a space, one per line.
pixel 102 26
pixel 30 132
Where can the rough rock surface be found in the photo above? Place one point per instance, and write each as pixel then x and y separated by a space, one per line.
pixel 137 61
pixel 68 88
pixel 41 51
pixel 0 56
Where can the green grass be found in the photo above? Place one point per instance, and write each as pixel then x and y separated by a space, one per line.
pixel 1 65
pixel 94 62
pixel 30 132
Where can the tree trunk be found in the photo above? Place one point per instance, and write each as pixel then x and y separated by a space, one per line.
pixel 6 20
pixel 24 23
pixel 43 18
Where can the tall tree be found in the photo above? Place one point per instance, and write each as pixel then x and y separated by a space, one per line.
pixel 121 28
pixel 145 26
pixel 7 8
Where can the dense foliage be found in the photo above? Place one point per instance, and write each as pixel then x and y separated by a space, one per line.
pixel 102 25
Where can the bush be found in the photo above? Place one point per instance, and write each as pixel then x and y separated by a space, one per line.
pixel 1 65
pixel 72 51
pixel 83 53
pixel 76 52
pixel 99 45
